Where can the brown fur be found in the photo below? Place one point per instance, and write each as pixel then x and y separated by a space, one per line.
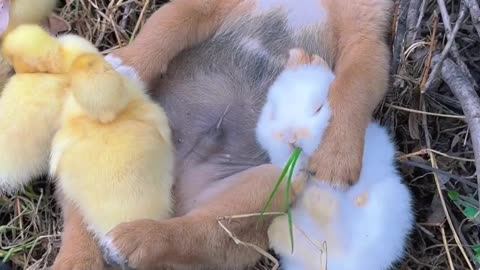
pixel 212 93
pixel 176 26
pixel 83 253
pixel 361 70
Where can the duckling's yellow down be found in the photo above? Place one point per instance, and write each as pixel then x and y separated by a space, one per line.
pixel 29 48
pixel 21 12
pixel 118 168
pixel 29 11
pixel 31 103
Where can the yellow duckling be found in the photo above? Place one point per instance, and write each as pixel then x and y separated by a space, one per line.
pixel 113 156
pixel 31 103
pixel 16 12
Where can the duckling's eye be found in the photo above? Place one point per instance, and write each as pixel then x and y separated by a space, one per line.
pixel 319 109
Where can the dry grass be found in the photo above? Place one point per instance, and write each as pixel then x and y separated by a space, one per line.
pixel 433 137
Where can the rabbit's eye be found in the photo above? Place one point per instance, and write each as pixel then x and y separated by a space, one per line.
pixel 319 108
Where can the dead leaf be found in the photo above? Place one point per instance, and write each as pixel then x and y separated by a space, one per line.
pixel 437 215
pixel 413 126
pixel 455 141
pixel 418 159
pixel 57 24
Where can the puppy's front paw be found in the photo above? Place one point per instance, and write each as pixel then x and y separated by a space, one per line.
pixel 338 161
pixel 136 245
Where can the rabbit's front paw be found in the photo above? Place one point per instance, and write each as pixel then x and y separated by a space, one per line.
pixel 298 185
pixel 278 234
pixel 322 204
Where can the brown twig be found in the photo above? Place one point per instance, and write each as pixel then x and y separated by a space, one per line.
pixel 400 31
pixel 140 19
pixel 470 102
pixel 412 20
pixel 250 245
pixel 445 16
pixel 474 13
pixel 454 47
pixel 250 215
pixel 447 249
pixel 427 113
pixel 431 169
pixel 450 42
pixel 322 249
pixel 433 161
pixel 463 240
pixel 433 44
pixel 419 21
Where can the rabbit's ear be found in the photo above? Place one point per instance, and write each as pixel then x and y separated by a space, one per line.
pixel 4 15
pixel 317 60
pixel 297 57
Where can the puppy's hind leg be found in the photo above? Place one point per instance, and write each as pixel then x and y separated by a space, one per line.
pixel 79 250
pixel 176 26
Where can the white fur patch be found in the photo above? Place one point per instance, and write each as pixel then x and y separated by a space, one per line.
pixel 254 45
pixel 111 253
pixel 301 13
pixel 128 71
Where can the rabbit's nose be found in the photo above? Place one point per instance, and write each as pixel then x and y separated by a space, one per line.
pixel 292 142
pixel 292 146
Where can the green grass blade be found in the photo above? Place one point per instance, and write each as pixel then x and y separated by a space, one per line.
pixel 296 155
pixel 279 181
pixel 12 251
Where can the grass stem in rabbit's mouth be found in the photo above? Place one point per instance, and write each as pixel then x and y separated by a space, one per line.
pixel 287 170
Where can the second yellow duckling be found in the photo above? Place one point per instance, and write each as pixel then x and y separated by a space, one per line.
pixel 113 156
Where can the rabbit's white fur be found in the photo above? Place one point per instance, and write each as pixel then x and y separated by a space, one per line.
pixel 365 227
pixel 291 106
pixel 371 236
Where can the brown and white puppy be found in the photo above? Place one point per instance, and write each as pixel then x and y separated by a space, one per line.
pixel 221 57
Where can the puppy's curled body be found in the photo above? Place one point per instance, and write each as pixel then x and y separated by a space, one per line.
pixel 214 93
pixel 225 55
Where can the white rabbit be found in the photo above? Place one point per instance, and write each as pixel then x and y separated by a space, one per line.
pixel 365 227
pixel 300 90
